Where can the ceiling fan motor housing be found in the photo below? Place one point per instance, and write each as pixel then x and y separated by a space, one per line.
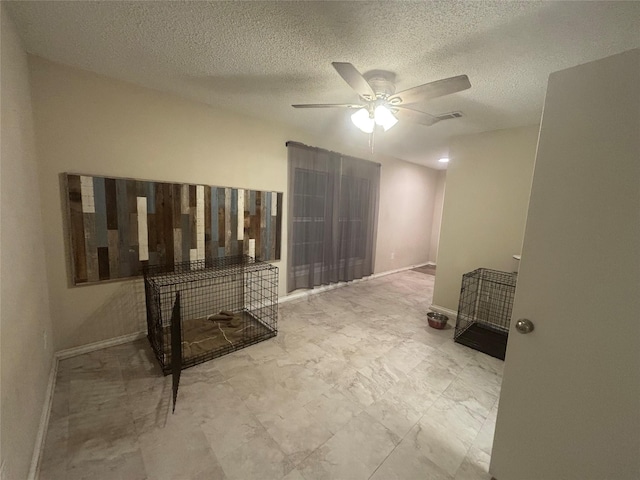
pixel 382 82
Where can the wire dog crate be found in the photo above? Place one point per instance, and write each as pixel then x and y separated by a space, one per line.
pixel 224 304
pixel 484 310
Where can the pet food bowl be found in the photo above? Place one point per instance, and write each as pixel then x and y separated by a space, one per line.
pixel 437 320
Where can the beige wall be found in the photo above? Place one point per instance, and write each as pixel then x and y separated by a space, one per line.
pixel 25 323
pixel 485 207
pixel 407 198
pixel 437 216
pixel 88 123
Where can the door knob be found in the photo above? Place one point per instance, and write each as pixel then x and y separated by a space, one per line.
pixel 524 325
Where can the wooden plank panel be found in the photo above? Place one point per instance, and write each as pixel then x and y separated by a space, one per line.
pixel 133 229
pixel 86 188
pixel 161 249
pixel 207 222
pixel 184 199
pixel 192 196
pixel 124 269
pixel 112 203
pixel 200 221
pixel 255 226
pixel 227 222
pixel 152 230
pixel 114 253
pixel 193 227
pixel 247 227
pixel 141 188
pixel 221 215
pixel 167 191
pixel 177 205
pixel 278 251
pixel 177 245
pixel 273 224
pixel 134 261
pixel 263 228
pixel 103 263
pixel 214 223
pixel 234 216
pixel 252 202
pixel 154 258
pixel 240 215
pixel 76 226
pixel 151 197
pixel 143 230
pixel 132 196
pixel 186 237
pixel 101 211
pixel 89 220
pixel 267 227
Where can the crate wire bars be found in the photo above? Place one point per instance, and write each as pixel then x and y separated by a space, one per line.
pixel 225 304
pixel 484 311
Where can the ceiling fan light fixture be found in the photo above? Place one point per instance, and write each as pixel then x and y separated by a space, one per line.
pixel 363 120
pixel 383 117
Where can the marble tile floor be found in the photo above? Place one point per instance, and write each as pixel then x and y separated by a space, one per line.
pixel 355 386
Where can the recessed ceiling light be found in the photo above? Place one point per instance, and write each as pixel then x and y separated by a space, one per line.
pixel 443 160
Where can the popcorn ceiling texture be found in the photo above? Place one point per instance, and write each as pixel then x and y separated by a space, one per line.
pixel 258 58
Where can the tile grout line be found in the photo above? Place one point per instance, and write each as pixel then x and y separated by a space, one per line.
pixel 421 417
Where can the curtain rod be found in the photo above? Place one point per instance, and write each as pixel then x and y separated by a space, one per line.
pixel 302 145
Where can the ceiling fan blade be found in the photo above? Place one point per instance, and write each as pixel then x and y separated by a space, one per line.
pixel 327 105
pixel 431 90
pixel 404 113
pixel 354 78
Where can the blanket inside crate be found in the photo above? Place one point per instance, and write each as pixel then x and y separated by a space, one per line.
pixel 209 333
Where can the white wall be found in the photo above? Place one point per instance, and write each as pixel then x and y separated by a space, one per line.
pixel 88 123
pixel 485 207
pixel 25 322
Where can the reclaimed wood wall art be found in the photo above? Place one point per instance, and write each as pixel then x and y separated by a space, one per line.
pixel 118 225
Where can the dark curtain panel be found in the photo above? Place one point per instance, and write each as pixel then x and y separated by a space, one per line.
pixel 333 213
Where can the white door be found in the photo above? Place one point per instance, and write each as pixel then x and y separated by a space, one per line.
pixel 570 401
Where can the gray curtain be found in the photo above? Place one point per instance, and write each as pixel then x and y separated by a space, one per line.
pixel 333 213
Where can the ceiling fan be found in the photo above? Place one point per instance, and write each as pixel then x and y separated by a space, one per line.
pixel 379 103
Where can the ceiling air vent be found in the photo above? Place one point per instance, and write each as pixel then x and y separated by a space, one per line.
pixel 449 116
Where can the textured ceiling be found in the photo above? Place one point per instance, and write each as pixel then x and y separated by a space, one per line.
pixel 258 58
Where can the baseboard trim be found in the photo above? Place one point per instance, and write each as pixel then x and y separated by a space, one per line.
pixel 333 286
pixel 403 269
pixel 38 448
pixel 92 347
pixel 452 314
